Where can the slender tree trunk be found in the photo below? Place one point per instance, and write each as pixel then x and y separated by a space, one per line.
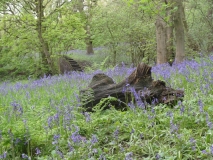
pixel 114 56
pixel 88 30
pixel 89 41
pixel 44 48
pixel 179 31
pixel 210 20
pixel 87 15
pixel 169 33
pixel 161 40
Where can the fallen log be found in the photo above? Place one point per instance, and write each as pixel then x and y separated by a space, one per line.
pixel 139 88
pixel 67 64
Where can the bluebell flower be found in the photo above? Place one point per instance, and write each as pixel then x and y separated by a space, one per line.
pixel 38 151
pixel 157 156
pixel 132 131
pixel 131 105
pixel 3 156
pixel 101 157
pixel 24 156
pixel 200 103
pixel 94 139
pixel 204 152
pixel 87 116
pixel 193 143
pixel 76 138
pixel 55 139
pixel 116 133
pixel 128 156
pixel 60 153
pixel 211 149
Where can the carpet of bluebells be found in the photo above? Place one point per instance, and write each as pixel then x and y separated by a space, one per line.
pixel 43 120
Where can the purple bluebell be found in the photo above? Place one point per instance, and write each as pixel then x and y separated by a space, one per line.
pixel 55 139
pixel 121 148
pixel 157 156
pixel 17 141
pixel 56 118
pixel 76 138
pixel 131 105
pixel 116 133
pixel 94 151
pixel 211 149
pixel 128 156
pixel 60 153
pixel 101 157
pixel 141 136
pixel 94 139
pixel 78 100
pixel 132 131
pixel 17 108
pixel 87 116
pixel 50 122
pixel 182 107
pixel 125 88
pixel 200 104
pixel 70 147
pixel 154 101
pixel 137 98
pixel 193 143
pixel 170 114
pixel 3 156
pixel 208 122
pixel 204 152
pixel 173 127
pixel 38 151
pixel 24 156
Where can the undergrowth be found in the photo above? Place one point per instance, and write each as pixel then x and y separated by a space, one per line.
pixel 43 119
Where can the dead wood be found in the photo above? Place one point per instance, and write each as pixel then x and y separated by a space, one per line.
pixel 139 86
pixel 67 64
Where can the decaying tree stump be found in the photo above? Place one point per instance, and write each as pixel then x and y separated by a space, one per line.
pixel 138 87
pixel 67 64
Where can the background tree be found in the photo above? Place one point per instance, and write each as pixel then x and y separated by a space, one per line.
pixel 35 32
pixel 179 19
pixel 85 7
pixel 120 28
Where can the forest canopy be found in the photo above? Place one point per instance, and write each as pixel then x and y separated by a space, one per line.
pixel 34 33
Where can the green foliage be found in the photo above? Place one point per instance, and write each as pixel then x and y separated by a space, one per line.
pixel 121 29
pixel 199 19
pixel 45 114
pixel 20 53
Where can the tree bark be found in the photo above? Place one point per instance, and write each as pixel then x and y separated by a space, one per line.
pixel 179 31
pixel 44 48
pixel 161 40
pixel 89 41
pixel 169 33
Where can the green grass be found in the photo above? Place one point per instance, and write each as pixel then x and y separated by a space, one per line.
pixel 45 114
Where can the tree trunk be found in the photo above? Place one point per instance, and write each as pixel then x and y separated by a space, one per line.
pixel 87 15
pixel 114 56
pixel 169 32
pixel 44 48
pixel 179 31
pixel 210 20
pixel 89 41
pixel 90 47
pixel 161 40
